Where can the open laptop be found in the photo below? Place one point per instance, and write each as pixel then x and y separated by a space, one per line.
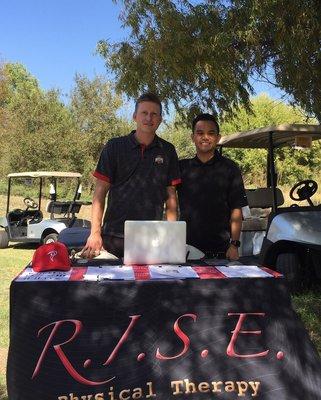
pixel 155 242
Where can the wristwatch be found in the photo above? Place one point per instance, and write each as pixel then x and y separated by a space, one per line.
pixel 235 243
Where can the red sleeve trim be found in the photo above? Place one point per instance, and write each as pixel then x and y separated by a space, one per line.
pixel 101 177
pixel 176 182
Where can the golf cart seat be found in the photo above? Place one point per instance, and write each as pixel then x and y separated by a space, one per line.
pixel 254 228
pixel 19 217
pixel 263 197
pixel 260 201
pixel 15 217
pixel 34 216
pixel 63 207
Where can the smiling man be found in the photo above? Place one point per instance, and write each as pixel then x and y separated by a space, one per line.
pixel 139 173
pixel 211 195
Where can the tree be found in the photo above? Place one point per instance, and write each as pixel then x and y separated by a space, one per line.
pixel 201 54
pixel 286 36
pixel 179 135
pixel 38 131
pixel 94 107
pixel 292 165
pixel 19 81
pixel 3 87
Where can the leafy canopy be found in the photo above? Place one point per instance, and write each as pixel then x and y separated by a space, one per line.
pixel 201 54
pixel 39 132
pixel 292 165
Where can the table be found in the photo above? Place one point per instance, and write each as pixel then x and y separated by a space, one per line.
pixel 206 338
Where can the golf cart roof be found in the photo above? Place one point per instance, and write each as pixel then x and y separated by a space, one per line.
pixel 281 134
pixel 45 174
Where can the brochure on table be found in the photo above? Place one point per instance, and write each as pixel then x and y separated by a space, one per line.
pixel 122 272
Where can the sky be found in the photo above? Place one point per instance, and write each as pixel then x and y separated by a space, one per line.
pixel 56 39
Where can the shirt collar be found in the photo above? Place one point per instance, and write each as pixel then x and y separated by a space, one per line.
pixel 217 156
pixel 135 143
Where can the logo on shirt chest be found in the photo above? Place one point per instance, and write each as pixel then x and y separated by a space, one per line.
pixel 159 159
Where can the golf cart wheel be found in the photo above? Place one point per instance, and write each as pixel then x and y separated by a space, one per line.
pixel 288 264
pixel 51 238
pixel 4 240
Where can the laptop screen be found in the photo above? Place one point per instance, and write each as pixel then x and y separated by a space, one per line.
pixel 155 242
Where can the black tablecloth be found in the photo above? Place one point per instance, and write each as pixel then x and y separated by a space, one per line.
pixel 173 339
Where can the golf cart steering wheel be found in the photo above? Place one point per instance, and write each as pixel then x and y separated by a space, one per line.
pixel 303 190
pixel 30 203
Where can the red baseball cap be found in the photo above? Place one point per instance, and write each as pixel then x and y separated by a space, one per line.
pixel 51 256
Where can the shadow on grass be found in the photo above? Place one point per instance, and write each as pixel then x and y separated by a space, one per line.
pixel 307 304
pixel 23 246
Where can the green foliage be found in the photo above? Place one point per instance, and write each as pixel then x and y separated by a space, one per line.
pixel 40 136
pixel 201 54
pixel 292 165
pixel 94 109
pixel 284 35
pixel 3 91
pixel 19 82
pixel 182 53
pixel 179 135
pixel 39 132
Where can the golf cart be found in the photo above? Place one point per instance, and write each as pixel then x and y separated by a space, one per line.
pixel 287 239
pixel 29 224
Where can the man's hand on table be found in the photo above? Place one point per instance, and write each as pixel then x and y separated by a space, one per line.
pixel 93 246
pixel 232 253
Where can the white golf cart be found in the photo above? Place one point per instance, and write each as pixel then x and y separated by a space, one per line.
pixel 287 239
pixel 29 224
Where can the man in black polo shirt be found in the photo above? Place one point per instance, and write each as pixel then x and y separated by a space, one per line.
pixel 139 172
pixel 211 195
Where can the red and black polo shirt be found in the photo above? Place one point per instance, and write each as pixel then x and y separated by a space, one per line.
pixel 208 193
pixel 139 176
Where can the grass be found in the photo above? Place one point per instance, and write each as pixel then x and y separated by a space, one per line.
pixel 308 306
pixel 12 261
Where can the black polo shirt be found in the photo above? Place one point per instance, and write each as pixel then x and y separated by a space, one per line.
pixel 139 176
pixel 207 194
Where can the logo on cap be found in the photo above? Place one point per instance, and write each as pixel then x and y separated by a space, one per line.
pixel 52 254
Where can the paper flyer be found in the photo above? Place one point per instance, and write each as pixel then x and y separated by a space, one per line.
pixel 171 272
pixel 116 272
pixel 29 275
pixel 243 271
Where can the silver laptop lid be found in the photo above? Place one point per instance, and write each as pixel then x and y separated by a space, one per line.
pixel 155 242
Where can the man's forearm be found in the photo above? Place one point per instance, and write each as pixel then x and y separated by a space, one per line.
pixel 97 217
pixel 232 252
pixel 171 204
pixel 94 242
pixel 98 206
pixel 171 215
pixel 236 223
